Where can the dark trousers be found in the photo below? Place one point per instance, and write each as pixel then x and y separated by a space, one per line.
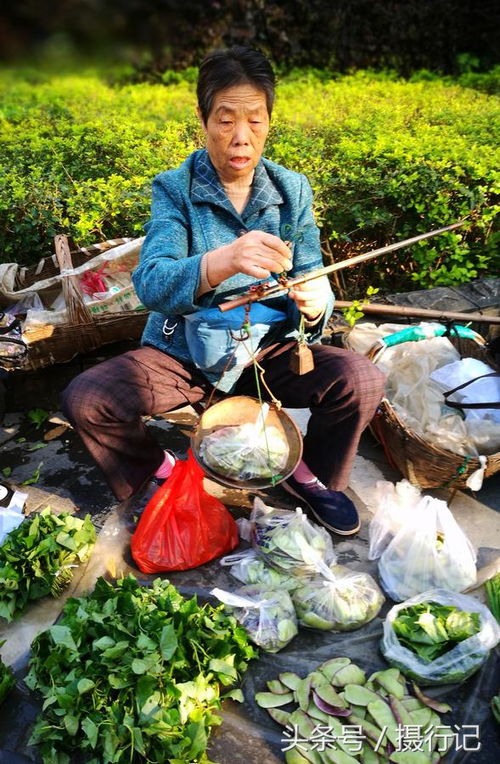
pixel 106 403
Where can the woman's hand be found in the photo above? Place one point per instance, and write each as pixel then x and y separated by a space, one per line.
pixel 256 254
pixel 311 297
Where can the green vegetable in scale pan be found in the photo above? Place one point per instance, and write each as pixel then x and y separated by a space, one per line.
pixel 246 451
pixel 39 558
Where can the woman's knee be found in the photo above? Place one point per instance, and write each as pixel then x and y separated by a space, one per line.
pixel 355 376
pixel 368 380
pixel 73 401
pixel 81 398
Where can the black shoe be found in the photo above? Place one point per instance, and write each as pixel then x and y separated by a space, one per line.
pixel 333 509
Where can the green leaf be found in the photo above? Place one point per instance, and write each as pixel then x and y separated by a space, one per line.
pixel 461 625
pixel 71 723
pixel 168 642
pixel 147 698
pixel 222 667
pixel 35 476
pixel 115 652
pixel 433 627
pixel 103 643
pixel 61 635
pixel 118 682
pixel 140 666
pixel 236 695
pixel 139 745
pixel 7 471
pixel 197 734
pixel 38 416
pixel 111 744
pixel 91 731
pixel 37 446
pixel 84 685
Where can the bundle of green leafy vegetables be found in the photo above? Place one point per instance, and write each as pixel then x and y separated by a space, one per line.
pixel 6 678
pixel 430 629
pixel 39 556
pixel 492 588
pixel 133 673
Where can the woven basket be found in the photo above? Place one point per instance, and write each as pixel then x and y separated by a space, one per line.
pixel 61 342
pixel 422 463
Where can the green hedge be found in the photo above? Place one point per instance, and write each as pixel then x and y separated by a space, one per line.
pixel 387 158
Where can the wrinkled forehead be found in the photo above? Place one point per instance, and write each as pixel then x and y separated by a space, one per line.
pixel 243 99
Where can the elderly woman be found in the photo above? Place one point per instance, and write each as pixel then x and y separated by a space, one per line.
pixel 218 226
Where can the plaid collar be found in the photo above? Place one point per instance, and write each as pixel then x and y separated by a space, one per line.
pixel 207 188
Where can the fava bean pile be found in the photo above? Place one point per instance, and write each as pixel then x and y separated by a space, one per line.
pixel 336 694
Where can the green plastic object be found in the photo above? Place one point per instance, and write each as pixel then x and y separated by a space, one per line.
pixel 415 333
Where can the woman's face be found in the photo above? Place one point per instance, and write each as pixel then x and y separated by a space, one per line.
pixel 236 131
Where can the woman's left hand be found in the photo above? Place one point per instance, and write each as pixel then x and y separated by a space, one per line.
pixel 311 297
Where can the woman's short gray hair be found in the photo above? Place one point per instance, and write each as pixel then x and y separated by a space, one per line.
pixel 234 66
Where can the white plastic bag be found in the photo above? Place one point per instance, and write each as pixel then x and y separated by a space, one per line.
pixel 394 505
pixel 429 551
pixel 249 568
pixel 268 616
pixel 458 663
pixel 11 510
pixel 288 541
pixel 338 599
pixel 480 390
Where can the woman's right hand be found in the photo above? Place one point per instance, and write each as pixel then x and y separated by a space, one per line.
pixel 256 253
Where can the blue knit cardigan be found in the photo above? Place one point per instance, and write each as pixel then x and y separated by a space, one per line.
pixel 191 215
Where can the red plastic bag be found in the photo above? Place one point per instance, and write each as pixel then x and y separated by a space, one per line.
pixel 182 525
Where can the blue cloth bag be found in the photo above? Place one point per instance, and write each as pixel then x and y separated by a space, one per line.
pixel 210 343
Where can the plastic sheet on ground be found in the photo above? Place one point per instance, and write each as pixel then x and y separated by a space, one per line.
pixel 247 733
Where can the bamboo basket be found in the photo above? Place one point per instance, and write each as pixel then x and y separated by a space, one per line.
pixel 424 464
pixel 82 332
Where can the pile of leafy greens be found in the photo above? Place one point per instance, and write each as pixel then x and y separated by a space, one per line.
pixel 39 556
pixel 492 589
pixel 6 679
pixel 133 673
pixel 430 629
